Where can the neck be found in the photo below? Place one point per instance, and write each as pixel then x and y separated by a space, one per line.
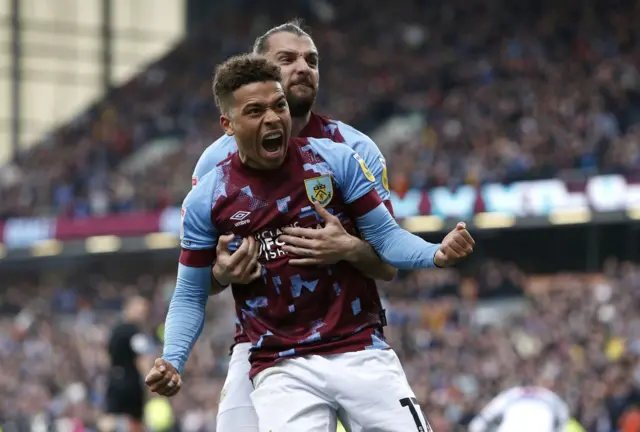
pixel 248 161
pixel 298 123
pixel 251 163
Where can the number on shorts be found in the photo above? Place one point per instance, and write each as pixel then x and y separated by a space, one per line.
pixel 411 402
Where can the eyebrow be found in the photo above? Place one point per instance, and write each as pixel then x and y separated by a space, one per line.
pixel 262 105
pixel 291 52
pixel 252 105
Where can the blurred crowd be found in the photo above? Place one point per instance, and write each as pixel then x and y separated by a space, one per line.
pixel 577 334
pixel 508 90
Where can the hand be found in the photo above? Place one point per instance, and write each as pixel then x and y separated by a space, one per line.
pixel 163 378
pixel 239 267
pixel 322 246
pixel 455 247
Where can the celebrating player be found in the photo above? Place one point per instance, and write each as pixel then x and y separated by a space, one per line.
pixel 315 330
pixel 293 50
pixel 523 409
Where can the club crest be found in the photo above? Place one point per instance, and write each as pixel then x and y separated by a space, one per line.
pixel 319 189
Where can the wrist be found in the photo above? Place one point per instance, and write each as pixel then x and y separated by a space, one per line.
pixel 217 278
pixel 353 249
pixel 439 260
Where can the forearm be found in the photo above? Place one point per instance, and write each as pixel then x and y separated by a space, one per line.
pixel 363 257
pixel 393 244
pixel 216 287
pixel 185 318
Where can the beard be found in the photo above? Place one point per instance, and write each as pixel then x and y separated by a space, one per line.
pixel 299 106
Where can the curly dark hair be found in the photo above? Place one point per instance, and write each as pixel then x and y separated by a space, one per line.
pixel 295 26
pixel 239 71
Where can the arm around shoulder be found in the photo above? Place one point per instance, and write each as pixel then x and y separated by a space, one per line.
pixel 394 245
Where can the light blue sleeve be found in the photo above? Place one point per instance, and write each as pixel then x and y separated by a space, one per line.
pixel 185 318
pixel 196 230
pixel 212 156
pixel 393 244
pixel 348 168
pixel 198 238
pixel 365 147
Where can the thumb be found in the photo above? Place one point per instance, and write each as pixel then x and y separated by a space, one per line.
pixel 160 364
pixel 461 226
pixel 322 212
pixel 225 239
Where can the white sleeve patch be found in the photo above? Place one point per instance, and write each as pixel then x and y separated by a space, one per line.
pixel 140 344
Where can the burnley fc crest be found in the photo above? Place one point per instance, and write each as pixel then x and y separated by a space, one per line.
pixel 319 189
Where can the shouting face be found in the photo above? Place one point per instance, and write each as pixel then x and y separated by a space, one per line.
pixel 261 123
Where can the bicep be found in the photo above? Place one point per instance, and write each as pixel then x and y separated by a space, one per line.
pixel 377 165
pixel 358 184
pixel 198 235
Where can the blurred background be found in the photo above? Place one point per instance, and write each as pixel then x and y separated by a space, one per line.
pixel 521 118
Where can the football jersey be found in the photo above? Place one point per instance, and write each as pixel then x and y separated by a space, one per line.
pixel 291 310
pixel 317 127
pixel 523 409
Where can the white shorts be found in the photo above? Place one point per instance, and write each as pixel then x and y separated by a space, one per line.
pixel 366 390
pixel 235 410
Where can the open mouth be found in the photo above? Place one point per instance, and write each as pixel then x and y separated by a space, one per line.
pixel 273 142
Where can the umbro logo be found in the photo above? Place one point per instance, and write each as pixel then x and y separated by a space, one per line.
pixel 240 216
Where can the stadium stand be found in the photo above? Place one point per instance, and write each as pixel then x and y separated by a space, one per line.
pixel 536 89
pixel 579 332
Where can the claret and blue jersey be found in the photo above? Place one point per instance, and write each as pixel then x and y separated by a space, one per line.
pixel 317 127
pixel 291 309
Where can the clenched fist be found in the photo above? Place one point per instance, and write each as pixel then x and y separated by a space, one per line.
pixel 163 378
pixel 455 247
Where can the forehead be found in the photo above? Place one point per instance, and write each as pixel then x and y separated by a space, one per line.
pixel 285 41
pixel 258 92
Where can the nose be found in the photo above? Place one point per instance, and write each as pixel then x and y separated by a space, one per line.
pixel 301 65
pixel 271 117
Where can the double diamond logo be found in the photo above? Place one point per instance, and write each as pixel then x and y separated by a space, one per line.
pixel 241 215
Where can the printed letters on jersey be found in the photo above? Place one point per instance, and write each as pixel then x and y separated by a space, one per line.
pixel 365 168
pixel 319 189
pixel 194 181
pixel 385 176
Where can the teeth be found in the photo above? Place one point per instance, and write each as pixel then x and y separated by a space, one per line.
pixel 273 136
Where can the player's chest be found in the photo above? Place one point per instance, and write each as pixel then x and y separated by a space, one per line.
pixel 264 207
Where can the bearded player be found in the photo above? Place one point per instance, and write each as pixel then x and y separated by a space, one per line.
pixel 291 48
pixel 318 351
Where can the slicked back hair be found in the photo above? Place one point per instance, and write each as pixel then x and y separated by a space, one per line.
pixel 239 71
pixel 295 26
